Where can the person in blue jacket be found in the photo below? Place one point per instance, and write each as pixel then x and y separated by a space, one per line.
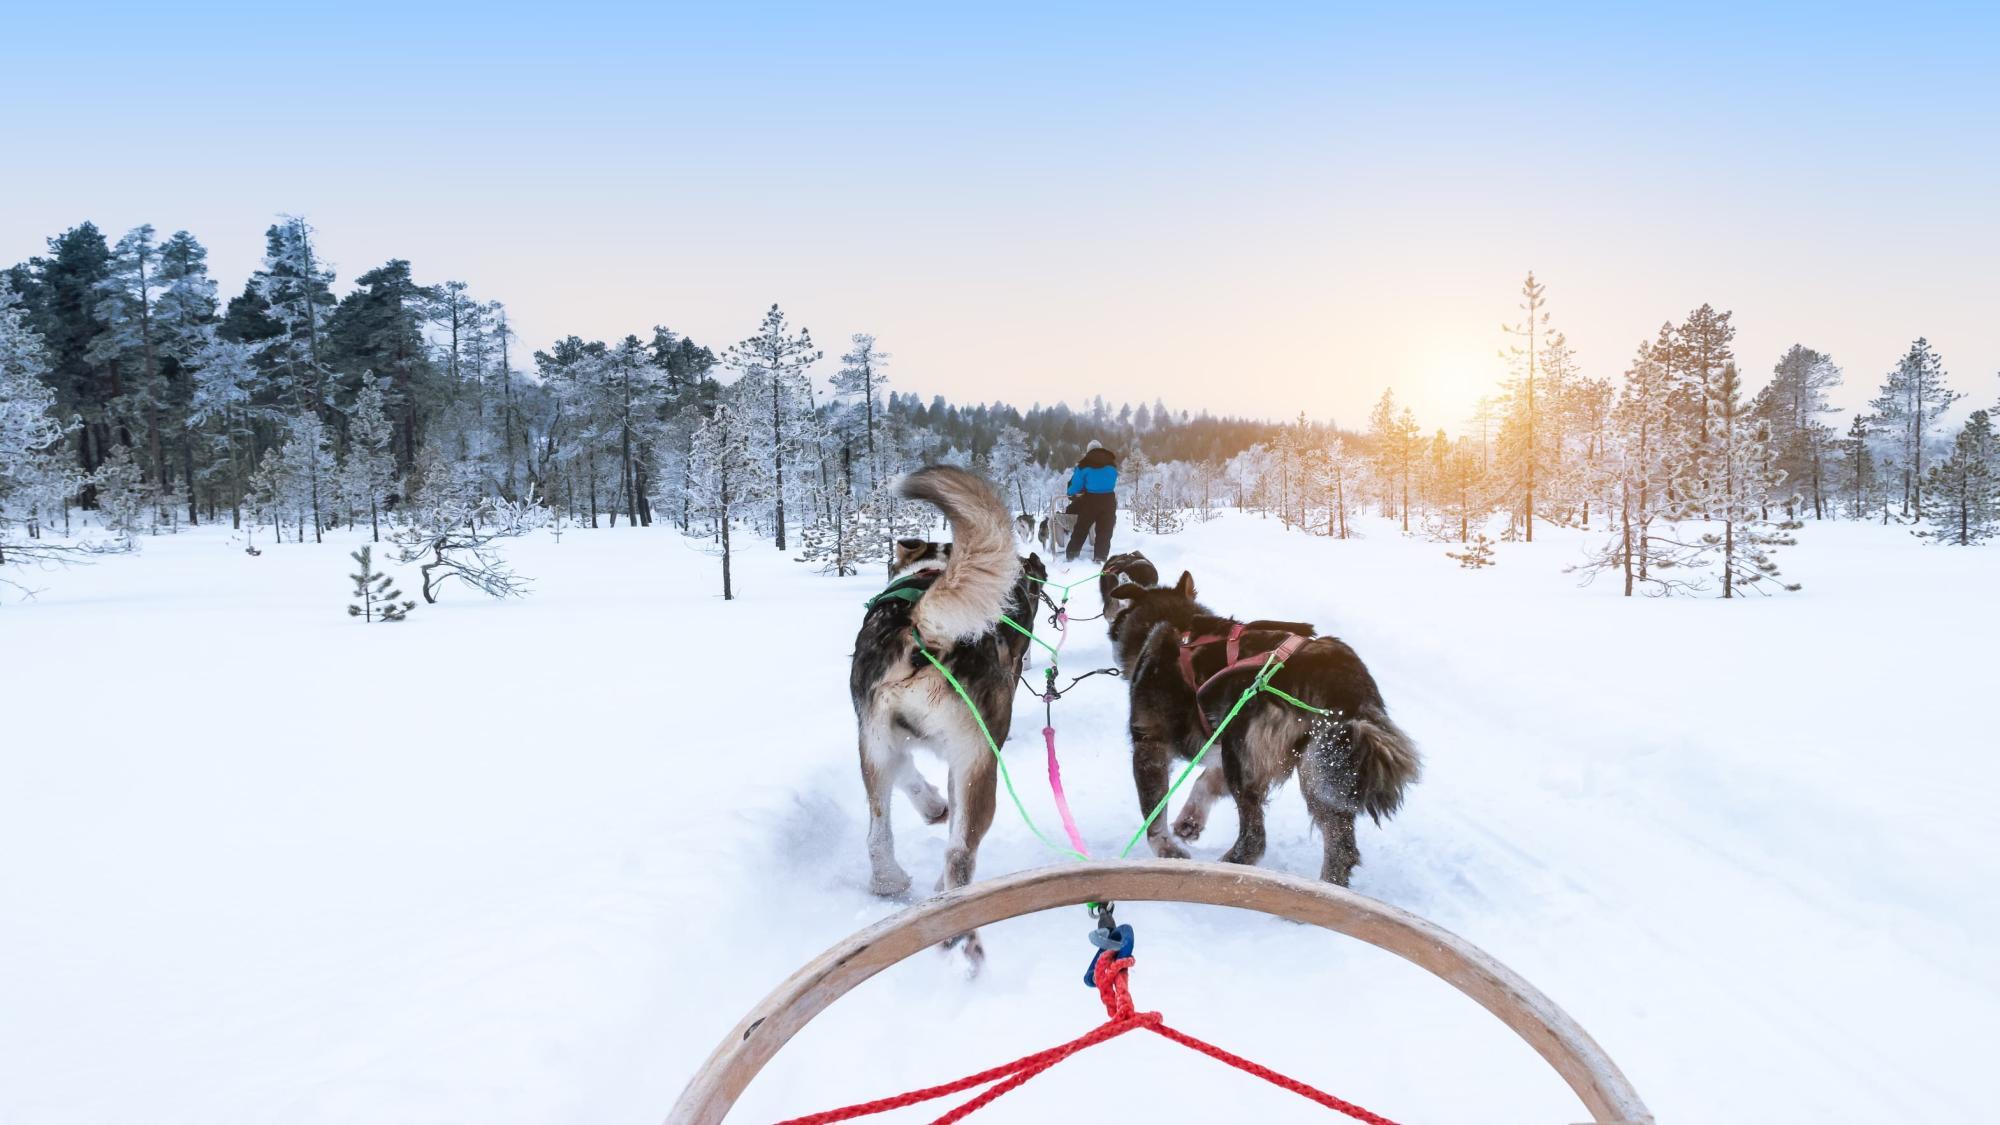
pixel 1093 498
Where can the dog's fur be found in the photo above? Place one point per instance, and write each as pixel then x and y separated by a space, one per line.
pixel 1055 530
pixel 1357 761
pixel 1119 569
pixel 900 700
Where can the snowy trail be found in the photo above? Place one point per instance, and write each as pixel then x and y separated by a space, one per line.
pixel 534 858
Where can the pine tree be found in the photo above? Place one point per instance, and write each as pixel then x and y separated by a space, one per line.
pixel 1524 417
pixel 863 374
pixel 127 342
pixel 1386 435
pixel 1790 405
pixel 1963 501
pixel 1477 554
pixel 725 476
pixel 185 325
pixel 377 332
pixel 123 494
pixel 1736 479
pixel 376 592
pixel 1911 401
pixel 776 359
pixel 1857 468
pixel 30 477
pixel 369 473
pixel 297 294
pixel 307 466
pixel 1647 461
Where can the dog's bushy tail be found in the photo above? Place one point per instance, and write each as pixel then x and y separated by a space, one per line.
pixel 982 567
pixel 1385 762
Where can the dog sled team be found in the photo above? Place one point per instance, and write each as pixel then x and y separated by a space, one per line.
pixel 1184 664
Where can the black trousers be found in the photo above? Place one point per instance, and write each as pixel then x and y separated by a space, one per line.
pixel 1096 513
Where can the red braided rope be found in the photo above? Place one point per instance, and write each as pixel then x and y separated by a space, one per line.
pixel 1115 990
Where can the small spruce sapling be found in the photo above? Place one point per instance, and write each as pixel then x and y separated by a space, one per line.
pixel 377 592
pixel 1478 553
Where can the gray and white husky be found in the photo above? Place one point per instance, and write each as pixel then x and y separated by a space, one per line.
pixel 952 597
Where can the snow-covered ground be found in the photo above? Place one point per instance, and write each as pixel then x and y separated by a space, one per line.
pixel 526 862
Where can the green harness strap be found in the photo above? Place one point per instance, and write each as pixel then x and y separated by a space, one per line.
pixel 993 746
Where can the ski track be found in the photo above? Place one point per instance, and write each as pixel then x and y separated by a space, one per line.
pixel 528 862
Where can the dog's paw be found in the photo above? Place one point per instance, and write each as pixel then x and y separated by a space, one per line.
pixel 935 810
pixel 1166 847
pixel 1189 824
pixel 969 951
pixel 890 884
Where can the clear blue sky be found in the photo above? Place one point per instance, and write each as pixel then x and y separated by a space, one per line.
pixel 1264 208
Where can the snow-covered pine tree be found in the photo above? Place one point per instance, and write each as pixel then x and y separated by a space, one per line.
pixel 124 498
pixel 126 344
pixel 297 292
pixel 1735 482
pixel 1476 555
pixel 222 417
pixel 1962 497
pixel 368 475
pixel 185 324
pixel 1645 462
pixel 1336 472
pixel 1385 438
pixel 1912 399
pixel 775 361
pixel 375 593
pixel 1148 494
pixel 32 479
pixel 308 472
pixel 1007 465
pixel 1857 474
pixel 1791 405
pixel 725 475
pixel 1522 421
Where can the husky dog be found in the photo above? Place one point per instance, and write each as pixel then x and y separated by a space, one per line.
pixel 952 596
pixel 1055 530
pixel 1355 760
pixel 1131 566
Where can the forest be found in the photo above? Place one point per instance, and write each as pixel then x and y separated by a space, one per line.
pixel 132 391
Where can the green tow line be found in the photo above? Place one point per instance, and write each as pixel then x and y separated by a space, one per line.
pixel 1262 684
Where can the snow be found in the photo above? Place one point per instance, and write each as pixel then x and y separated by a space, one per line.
pixel 528 861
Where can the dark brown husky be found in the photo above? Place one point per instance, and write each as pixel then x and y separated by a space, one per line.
pixel 1353 760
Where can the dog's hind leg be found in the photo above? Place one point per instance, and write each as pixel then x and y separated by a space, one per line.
pixel 1152 769
pixel 1249 845
pixel 883 760
pixel 1329 800
pixel 930 803
pixel 972 799
pixel 1202 795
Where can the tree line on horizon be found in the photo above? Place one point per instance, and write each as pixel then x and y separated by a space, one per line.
pixel 130 389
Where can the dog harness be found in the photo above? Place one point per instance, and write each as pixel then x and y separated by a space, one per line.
pixel 909 588
pixel 1233 659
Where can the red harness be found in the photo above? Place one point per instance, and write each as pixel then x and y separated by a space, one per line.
pixel 1233 660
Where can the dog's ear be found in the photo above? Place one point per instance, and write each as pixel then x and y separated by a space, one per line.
pixel 1185 587
pixel 1125 592
pixel 909 551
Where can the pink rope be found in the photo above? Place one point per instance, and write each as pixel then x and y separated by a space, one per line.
pixel 1049 735
pixel 1062 800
